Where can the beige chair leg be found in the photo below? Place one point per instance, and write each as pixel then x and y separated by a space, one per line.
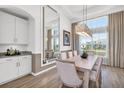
pixel 100 77
pixel 61 85
pixel 97 84
pixel 100 80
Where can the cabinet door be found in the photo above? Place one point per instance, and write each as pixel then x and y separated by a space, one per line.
pixel 8 69
pixel 7 28
pixel 21 31
pixel 25 65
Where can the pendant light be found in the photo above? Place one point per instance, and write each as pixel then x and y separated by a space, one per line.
pixel 82 29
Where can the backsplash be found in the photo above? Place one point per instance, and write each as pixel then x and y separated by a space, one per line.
pixel 3 48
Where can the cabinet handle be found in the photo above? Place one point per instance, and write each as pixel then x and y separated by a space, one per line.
pixel 16 64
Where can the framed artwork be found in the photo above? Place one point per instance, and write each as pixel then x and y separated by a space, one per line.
pixel 66 38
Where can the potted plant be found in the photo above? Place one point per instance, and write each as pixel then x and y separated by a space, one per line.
pixel 84 54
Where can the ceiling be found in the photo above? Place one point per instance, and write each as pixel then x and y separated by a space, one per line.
pixel 75 12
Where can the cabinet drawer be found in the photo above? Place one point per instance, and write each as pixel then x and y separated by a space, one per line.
pixel 27 56
pixel 12 59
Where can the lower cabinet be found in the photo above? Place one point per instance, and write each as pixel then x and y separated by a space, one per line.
pixel 14 67
pixel 24 65
pixel 8 69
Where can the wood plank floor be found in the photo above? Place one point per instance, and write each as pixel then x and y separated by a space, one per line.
pixel 111 78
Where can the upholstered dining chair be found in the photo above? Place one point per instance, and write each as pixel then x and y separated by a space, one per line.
pixel 68 75
pixel 70 54
pixel 79 72
pixel 63 55
pixel 95 75
pixel 97 62
pixel 75 53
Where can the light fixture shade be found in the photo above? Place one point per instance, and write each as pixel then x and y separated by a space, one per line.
pixel 83 30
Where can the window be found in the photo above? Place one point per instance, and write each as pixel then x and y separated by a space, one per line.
pixel 98 41
pixel 55 39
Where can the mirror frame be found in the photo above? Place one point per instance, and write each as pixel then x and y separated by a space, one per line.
pixel 43 61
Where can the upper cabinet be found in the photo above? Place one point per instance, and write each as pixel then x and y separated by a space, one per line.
pixel 7 28
pixel 21 31
pixel 13 30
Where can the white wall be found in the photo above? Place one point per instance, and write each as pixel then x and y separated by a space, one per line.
pixel 31 37
pixel 65 24
pixel 3 48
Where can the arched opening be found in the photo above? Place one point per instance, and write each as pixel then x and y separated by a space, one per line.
pixel 24 14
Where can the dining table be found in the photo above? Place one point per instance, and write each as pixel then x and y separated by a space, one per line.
pixel 85 65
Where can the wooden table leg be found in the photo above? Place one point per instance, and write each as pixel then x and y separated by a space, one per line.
pixel 86 79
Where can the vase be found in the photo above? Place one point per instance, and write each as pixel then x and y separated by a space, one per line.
pixel 84 55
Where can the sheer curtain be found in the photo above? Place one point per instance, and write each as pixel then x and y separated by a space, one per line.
pixel 116 39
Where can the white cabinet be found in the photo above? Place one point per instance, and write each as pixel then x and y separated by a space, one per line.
pixel 14 67
pixel 21 31
pixel 24 65
pixel 7 28
pixel 8 69
pixel 13 30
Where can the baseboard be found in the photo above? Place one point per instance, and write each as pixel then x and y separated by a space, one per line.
pixel 41 72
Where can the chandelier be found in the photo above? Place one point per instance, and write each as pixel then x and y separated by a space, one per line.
pixel 83 29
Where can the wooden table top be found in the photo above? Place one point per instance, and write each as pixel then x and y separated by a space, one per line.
pixel 81 63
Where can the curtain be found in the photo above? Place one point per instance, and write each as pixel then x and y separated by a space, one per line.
pixel 75 38
pixel 116 39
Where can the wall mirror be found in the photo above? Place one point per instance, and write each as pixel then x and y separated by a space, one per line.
pixel 51 34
